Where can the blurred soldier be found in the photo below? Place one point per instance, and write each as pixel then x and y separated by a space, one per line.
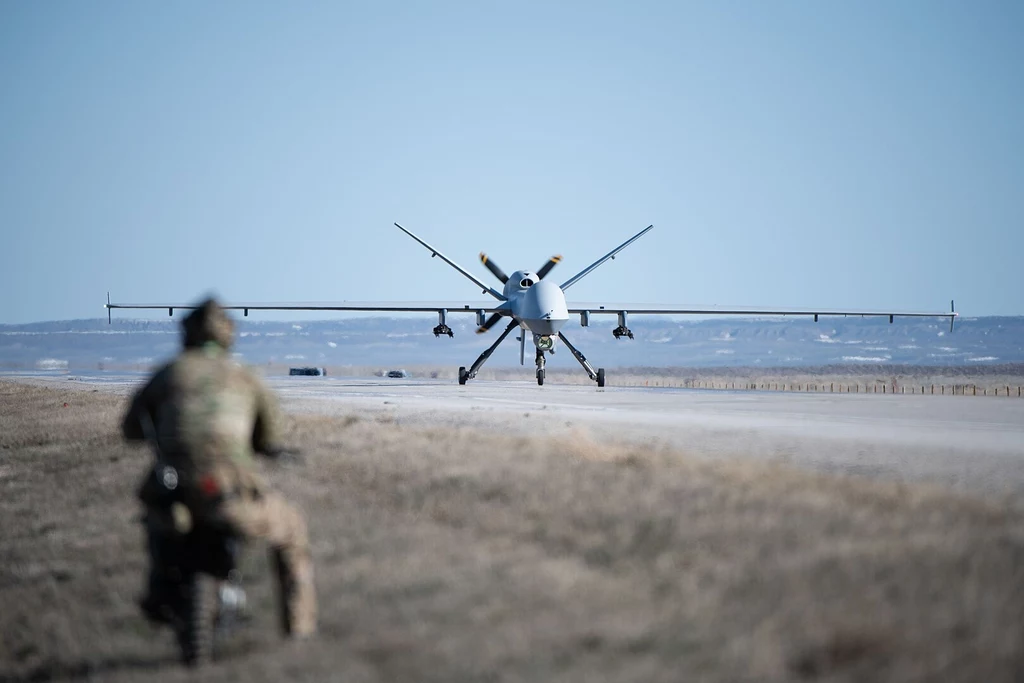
pixel 210 415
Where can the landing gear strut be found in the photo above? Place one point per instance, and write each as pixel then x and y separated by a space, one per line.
pixel 540 367
pixel 596 375
pixel 465 375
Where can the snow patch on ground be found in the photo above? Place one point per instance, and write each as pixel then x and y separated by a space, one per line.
pixel 866 359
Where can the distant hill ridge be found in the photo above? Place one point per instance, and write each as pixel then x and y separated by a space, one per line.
pixel 660 342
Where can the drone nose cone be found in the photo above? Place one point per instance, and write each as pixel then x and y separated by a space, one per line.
pixel 546 326
pixel 543 308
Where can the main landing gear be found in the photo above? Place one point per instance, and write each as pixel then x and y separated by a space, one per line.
pixel 596 375
pixel 443 329
pixel 465 375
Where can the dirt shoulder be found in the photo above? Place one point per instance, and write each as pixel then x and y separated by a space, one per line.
pixel 465 555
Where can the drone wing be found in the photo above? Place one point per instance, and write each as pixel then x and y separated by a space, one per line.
pixel 587 309
pixel 441 307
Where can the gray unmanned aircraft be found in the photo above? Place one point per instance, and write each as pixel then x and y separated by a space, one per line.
pixel 535 305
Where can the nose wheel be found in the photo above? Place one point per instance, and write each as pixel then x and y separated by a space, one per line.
pixel 540 368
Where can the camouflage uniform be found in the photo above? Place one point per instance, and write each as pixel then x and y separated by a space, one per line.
pixel 210 415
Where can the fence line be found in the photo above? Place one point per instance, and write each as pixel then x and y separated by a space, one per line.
pixel 834 387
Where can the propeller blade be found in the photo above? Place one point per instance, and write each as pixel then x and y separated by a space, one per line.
pixel 489 323
pixel 546 268
pixel 493 267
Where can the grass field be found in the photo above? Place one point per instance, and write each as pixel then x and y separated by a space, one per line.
pixel 474 556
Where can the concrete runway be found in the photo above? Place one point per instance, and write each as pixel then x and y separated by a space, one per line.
pixel 973 444
pixel 969 443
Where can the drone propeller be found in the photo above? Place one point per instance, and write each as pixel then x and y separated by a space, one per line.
pixel 493 267
pixel 546 268
pixel 489 323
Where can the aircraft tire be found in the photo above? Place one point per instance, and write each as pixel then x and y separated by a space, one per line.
pixel 540 378
pixel 600 378
pixel 463 375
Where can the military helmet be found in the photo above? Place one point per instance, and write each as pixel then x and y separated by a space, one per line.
pixel 209 322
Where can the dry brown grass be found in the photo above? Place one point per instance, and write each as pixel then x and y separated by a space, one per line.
pixel 447 556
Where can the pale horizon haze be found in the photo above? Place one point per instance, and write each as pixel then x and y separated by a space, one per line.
pixel 798 154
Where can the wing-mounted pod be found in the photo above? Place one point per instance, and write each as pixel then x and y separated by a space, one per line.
pixel 622 331
pixel 442 324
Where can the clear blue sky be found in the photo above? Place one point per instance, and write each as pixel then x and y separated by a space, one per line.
pixel 855 154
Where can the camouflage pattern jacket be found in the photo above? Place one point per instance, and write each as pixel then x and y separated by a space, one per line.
pixel 210 415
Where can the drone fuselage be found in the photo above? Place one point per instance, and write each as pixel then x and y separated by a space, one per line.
pixel 537 304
